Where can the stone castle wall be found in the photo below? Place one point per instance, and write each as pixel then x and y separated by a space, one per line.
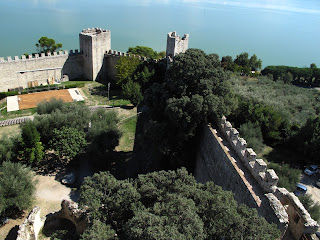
pixel 17 72
pixel 224 159
pixel 94 43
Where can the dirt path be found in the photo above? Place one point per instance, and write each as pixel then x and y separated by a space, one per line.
pixel 49 195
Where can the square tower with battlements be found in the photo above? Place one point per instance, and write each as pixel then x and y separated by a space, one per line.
pixel 94 43
pixel 176 44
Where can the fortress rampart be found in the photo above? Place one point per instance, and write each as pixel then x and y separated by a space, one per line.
pixel 94 61
pixel 17 72
pixel 224 159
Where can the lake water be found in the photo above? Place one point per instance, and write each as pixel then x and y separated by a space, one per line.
pixel 280 32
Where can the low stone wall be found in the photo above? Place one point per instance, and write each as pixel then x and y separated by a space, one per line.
pixel 31 227
pixel 70 211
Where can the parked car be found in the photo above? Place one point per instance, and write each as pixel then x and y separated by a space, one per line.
pixel 312 169
pixel 300 189
pixel 3 221
pixel 69 179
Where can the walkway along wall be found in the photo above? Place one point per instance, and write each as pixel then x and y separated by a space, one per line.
pixel 224 159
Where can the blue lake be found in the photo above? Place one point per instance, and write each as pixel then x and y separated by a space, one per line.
pixel 282 32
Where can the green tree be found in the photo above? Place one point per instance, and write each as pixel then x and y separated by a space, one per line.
pixel 47 107
pixel 46 45
pixel 31 149
pixel 251 132
pixel 313 65
pixel 71 115
pixel 126 66
pixel 17 188
pixel 255 63
pixel 68 142
pixel 242 59
pixel 132 91
pixel 8 148
pixel 170 205
pixel 143 51
pixel 308 139
pixel 287 78
pixel 99 231
pixel 227 63
pixel 104 134
pixel 196 89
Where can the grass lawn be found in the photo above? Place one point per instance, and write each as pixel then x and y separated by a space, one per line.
pixel 97 94
pixel 128 128
pixel 10 131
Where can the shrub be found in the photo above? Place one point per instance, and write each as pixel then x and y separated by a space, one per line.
pixel 312 207
pixel 31 149
pixel 288 177
pixel 68 142
pixel 8 148
pixel 17 188
pixel 251 132
pixel 50 106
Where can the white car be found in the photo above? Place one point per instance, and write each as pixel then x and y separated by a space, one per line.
pixel 312 169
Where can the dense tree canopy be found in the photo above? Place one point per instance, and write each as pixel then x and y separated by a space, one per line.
pixel 126 66
pixel 195 90
pixel 46 44
pixel 169 205
pixel 146 52
pixel 31 149
pixel 305 76
pixel 17 188
pixel 68 142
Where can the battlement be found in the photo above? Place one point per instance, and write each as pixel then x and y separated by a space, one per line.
pixel 176 44
pixel 123 54
pixel 94 31
pixel 267 179
pixel 300 220
pixel 39 56
pixel 174 35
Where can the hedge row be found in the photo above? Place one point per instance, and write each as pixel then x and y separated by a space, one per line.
pixel 40 89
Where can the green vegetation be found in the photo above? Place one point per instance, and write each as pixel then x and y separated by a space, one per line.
pixel 146 52
pixel 300 76
pixel 68 142
pixel 288 177
pixel 242 63
pixel 132 91
pixel 30 147
pixel 126 67
pixel 196 89
pixel 17 188
pixel 103 134
pixel 128 128
pixel 8 148
pixel 46 45
pixel 168 205
pixel 297 104
pixel 312 207
pixel 47 107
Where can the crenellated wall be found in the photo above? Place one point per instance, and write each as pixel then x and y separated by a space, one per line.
pixel 17 72
pixel 223 157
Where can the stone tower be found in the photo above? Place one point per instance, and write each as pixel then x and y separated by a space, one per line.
pixel 94 43
pixel 175 44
